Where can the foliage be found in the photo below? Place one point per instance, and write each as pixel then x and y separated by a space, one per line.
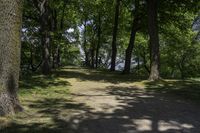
pixel 78 26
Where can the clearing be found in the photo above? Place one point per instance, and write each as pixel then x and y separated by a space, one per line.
pixel 78 100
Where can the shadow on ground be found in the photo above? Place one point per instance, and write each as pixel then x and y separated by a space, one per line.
pixel 97 75
pixel 150 110
pixel 41 81
pixel 186 89
pixel 141 112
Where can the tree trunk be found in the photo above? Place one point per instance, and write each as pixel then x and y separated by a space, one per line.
pixel 92 58
pixel 134 29
pixel 45 38
pixel 129 51
pixel 99 41
pixel 54 46
pixel 87 60
pixel 138 65
pixel 143 55
pixel 58 57
pixel 10 26
pixel 115 30
pixel 154 39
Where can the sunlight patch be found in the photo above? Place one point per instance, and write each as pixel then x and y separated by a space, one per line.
pixel 143 124
pixel 173 125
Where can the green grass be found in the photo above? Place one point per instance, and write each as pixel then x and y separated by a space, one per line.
pixel 42 85
pixel 185 89
pixel 43 99
pixel 47 99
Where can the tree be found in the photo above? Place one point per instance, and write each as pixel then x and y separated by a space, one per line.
pixel 10 25
pixel 154 39
pixel 99 40
pixel 114 41
pixel 45 36
pixel 134 29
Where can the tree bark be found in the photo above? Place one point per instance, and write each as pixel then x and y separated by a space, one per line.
pixel 10 26
pixel 154 39
pixel 143 55
pixel 92 57
pixel 115 30
pixel 54 46
pixel 87 60
pixel 129 51
pixel 45 37
pixel 99 40
pixel 134 29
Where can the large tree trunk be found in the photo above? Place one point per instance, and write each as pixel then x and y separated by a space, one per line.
pixel 115 30
pixel 10 26
pixel 154 39
pixel 45 37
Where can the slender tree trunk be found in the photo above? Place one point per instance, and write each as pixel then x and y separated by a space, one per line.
pixel 58 47
pixel 143 55
pixel 99 41
pixel 54 46
pixel 87 61
pixel 92 58
pixel 134 29
pixel 138 65
pixel 154 39
pixel 181 66
pixel 10 26
pixel 129 51
pixel 45 38
pixel 58 58
pixel 31 58
pixel 115 30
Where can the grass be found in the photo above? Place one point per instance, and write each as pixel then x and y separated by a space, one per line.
pixel 185 89
pixel 43 98
pixel 46 99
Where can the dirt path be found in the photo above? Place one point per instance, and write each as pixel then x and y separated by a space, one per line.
pixel 100 102
pixel 124 108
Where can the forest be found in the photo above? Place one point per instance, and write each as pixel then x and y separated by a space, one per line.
pixel 99 66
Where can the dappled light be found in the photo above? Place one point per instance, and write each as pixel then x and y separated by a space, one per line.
pixel 95 75
pixel 99 66
pixel 124 107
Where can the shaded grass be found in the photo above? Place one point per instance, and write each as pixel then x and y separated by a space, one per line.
pixel 106 76
pixel 47 101
pixel 184 89
pixel 41 97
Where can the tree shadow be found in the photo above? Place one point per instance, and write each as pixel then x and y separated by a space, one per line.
pixel 140 111
pixel 41 81
pixel 97 75
pixel 185 89
pixel 148 112
pixel 55 109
